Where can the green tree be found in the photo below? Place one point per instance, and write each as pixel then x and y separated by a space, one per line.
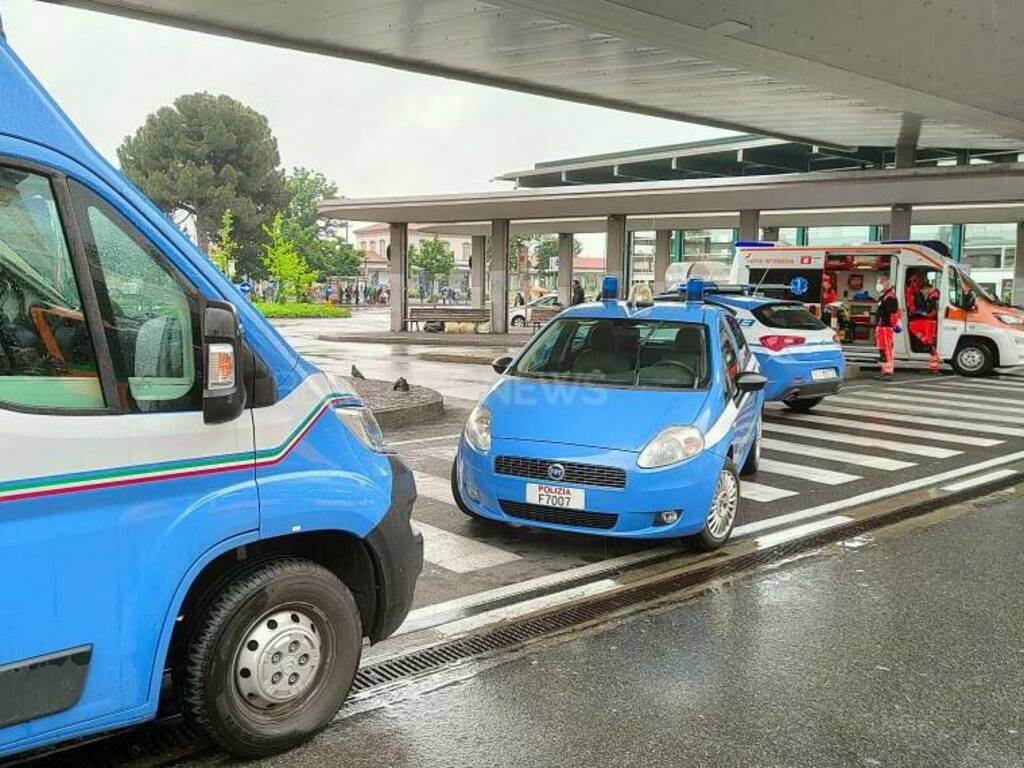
pixel 317 239
pixel 223 252
pixel 432 257
pixel 284 263
pixel 206 154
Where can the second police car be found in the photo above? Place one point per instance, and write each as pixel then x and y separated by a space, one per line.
pixel 799 355
pixel 619 419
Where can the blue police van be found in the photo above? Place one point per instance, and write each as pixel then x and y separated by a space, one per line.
pixel 619 419
pixel 180 491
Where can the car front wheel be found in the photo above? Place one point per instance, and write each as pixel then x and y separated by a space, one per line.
pixel 722 515
pixel 271 659
pixel 519 321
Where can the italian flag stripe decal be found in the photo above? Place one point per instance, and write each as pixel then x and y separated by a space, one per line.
pixel 180 468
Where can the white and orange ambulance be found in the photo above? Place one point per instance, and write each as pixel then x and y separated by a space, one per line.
pixel 944 314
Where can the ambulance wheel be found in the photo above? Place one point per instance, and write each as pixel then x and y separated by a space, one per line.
pixel 973 358
pixel 722 515
pixel 519 321
pixel 803 405
pixel 271 659
pixel 457 493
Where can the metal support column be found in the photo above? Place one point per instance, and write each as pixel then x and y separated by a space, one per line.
pixel 899 221
pixel 956 241
pixel 661 254
pixel 398 274
pixel 565 254
pixel 478 270
pixel 1018 267
pixel 498 276
pixel 615 249
pixel 749 225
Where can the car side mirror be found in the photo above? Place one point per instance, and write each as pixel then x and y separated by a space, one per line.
pixel 751 381
pixel 501 364
pixel 223 388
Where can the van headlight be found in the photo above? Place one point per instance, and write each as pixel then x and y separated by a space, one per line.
pixel 361 423
pixel 671 446
pixel 478 429
pixel 1009 319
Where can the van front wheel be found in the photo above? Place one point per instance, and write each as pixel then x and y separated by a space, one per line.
pixel 973 358
pixel 271 659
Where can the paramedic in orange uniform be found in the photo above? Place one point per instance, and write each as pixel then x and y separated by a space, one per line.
pixel 887 322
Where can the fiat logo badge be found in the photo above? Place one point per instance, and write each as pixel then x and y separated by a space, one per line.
pixel 556 471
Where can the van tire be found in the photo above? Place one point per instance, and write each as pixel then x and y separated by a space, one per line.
pixel 457 493
pixel 803 405
pixel 709 540
pixel 973 357
pixel 226 640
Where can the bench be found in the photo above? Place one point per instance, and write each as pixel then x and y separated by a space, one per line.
pixel 475 315
pixel 538 316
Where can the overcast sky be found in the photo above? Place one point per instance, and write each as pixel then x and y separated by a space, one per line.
pixel 375 131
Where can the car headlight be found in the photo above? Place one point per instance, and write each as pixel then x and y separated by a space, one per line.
pixel 361 423
pixel 1009 319
pixel 478 429
pixel 671 446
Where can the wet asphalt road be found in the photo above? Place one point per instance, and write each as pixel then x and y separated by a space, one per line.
pixel 908 651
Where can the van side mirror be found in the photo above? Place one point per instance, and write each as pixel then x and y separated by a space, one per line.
pixel 223 388
pixel 970 302
pixel 501 364
pixel 750 381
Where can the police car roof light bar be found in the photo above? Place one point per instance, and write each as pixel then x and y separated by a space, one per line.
pixel 610 288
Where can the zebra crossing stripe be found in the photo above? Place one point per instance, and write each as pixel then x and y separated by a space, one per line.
pixel 891 429
pixel 803 472
pixel 831 454
pixel 457 553
pixel 907 405
pixel 972 385
pixel 864 442
pixel 957 401
pixel 972 398
pixel 758 492
pixel 434 488
pixel 971 426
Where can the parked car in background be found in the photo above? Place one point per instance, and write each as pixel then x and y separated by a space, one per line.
pixel 519 316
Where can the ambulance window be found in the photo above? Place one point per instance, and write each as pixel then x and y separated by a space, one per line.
pixel 151 315
pixel 955 292
pixel 46 353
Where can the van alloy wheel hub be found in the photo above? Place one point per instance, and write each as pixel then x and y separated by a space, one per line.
pixel 278 659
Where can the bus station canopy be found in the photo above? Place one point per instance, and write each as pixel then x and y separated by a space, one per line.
pixel 835 73
pixel 988 184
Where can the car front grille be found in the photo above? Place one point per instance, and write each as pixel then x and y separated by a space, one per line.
pixel 575 473
pixel 573 517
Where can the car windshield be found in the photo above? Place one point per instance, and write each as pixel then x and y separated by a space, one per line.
pixel 788 316
pixel 619 352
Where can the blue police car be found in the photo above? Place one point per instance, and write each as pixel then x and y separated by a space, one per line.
pixel 620 420
pixel 799 354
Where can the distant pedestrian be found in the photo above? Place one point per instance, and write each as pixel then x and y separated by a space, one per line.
pixel 578 296
pixel 519 300
pixel 887 323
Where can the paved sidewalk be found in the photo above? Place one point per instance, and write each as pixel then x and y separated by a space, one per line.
pixel 904 652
